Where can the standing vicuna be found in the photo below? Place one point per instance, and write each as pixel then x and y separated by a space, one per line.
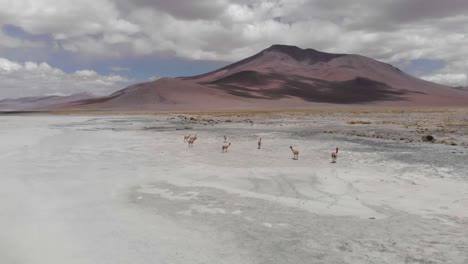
pixel 259 143
pixel 225 138
pixel 186 138
pixel 225 147
pixel 191 140
pixel 295 153
pixel 334 155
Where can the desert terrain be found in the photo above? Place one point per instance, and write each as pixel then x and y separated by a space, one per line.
pixel 279 77
pixel 122 188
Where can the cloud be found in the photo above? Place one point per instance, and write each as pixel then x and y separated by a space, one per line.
pixel 37 79
pixel 450 79
pixel 394 31
pixel 9 42
pixel 453 74
pixel 230 30
pixel 118 69
pixel 180 9
pixel 153 78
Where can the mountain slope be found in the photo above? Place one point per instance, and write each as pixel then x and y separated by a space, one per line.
pixel 285 77
pixel 40 103
pixel 163 94
pixel 290 71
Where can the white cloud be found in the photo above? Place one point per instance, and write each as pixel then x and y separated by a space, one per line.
pixel 10 66
pixel 8 42
pixel 86 74
pixel 117 69
pixel 395 31
pixel 153 78
pixel 454 73
pixel 450 79
pixel 38 79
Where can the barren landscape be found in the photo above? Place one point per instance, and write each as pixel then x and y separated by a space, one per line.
pixel 127 189
pixel 279 77
pixel 233 132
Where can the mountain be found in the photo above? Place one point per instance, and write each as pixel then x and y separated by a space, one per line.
pixel 283 77
pixel 40 103
pixel 463 88
pixel 163 94
pixel 287 71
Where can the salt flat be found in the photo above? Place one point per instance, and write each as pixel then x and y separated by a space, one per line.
pixel 127 189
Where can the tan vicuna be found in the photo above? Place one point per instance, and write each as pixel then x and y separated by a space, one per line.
pixel 295 153
pixel 225 147
pixel 191 140
pixel 334 155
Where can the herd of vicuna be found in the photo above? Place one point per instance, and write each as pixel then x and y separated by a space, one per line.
pixel 191 139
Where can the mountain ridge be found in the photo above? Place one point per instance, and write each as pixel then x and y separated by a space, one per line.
pixel 293 51
pixel 282 77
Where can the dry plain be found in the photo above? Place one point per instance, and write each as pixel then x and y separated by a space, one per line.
pixel 127 189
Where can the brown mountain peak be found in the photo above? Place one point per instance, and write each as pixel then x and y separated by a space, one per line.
pixel 284 76
pixel 311 55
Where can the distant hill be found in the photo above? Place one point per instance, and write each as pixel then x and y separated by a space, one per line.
pixel 40 103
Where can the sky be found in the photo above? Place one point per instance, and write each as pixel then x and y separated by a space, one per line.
pixel 50 47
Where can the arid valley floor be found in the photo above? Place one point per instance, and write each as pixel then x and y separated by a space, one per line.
pixel 127 189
